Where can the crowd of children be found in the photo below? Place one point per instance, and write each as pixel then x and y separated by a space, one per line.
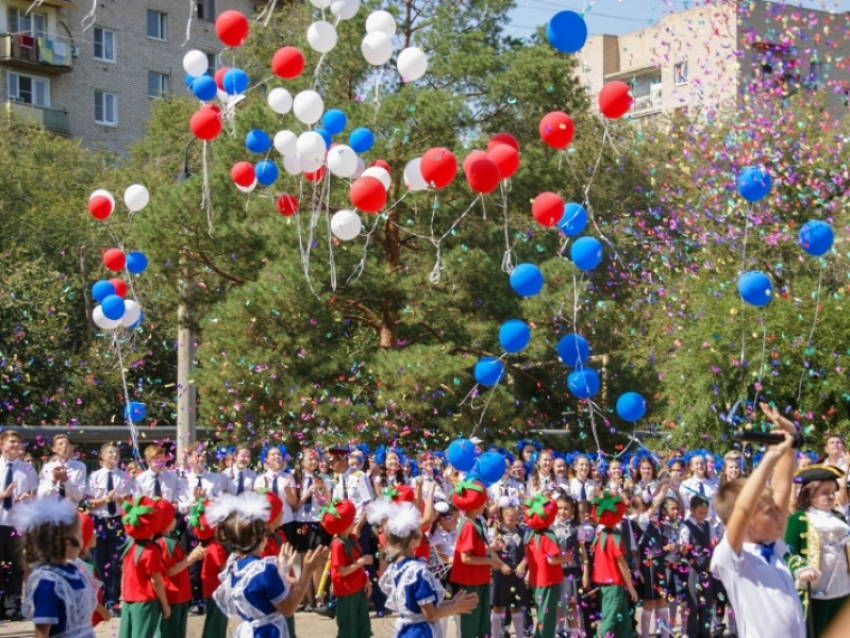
pixel 559 546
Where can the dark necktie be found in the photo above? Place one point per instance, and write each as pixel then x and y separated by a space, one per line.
pixel 62 490
pixel 583 492
pixel 7 502
pixel 240 484
pixel 200 483
pixel 701 489
pixel 157 488
pixel 274 484
pixel 110 506
pixel 766 550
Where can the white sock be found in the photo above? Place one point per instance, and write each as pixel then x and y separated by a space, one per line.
pixel 733 624
pixel 518 620
pixel 671 612
pixel 495 624
pixel 645 619
pixel 662 622
pixel 444 623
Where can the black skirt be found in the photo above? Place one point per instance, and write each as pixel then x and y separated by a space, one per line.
pixel 508 591
pixel 309 536
pixel 655 585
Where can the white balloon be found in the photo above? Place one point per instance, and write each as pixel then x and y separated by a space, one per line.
pixel 101 321
pixel 247 189
pixel 286 143
pixel 342 161
pixel 102 192
pixel 309 165
pixel 321 4
pixel 292 164
pixel 222 96
pixel 311 146
pixel 308 107
pixel 321 36
pixel 195 63
pixel 379 173
pixel 412 64
pixel 280 100
pixel 413 175
pixel 136 197
pixel 132 312
pixel 345 9
pixel 381 21
pixel 345 225
pixel 377 48
pixel 361 166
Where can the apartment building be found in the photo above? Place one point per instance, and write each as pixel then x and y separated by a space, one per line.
pixel 722 54
pixel 98 83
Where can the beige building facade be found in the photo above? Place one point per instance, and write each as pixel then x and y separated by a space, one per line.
pixel 98 83
pixel 718 55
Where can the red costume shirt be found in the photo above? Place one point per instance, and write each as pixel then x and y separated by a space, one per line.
pixel 273 544
pixel 423 549
pixel 214 561
pixel 608 548
pixel 344 553
pixel 136 584
pixel 178 588
pixel 537 552
pixel 471 540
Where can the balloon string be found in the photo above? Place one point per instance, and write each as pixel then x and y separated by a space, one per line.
pixel 507 257
pixel 811 333
pixel 358 270
pixel 434 277
pixel 206 196
pixel 267 13
pixel 129 416
pixel 89 19
pixel 741 272
pixel 331 263
pixel 484 409
pixel 321 58
pixel 378 95
pixel 189 23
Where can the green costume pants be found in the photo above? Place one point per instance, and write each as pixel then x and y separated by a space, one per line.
pixel 175 624
pixel 140 620
pixel 290 624
pixel 546 601
pixel 215 622
pixel 476 623
pixel 824 612
pixel 352 616
pixel 615 621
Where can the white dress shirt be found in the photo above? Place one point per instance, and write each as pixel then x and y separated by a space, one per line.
pixel 96 489
pixel 506 488
pixel 145 485
pixel 356 489
pixel 285 480
pixel 75 486
pixel 575 486
pixel 248 478
pixel 698 487
pixel 25 480
pixel 211 483
pixel 309 512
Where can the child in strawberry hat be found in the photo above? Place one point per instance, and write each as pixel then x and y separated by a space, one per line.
pixel 101 613
pixel 350 583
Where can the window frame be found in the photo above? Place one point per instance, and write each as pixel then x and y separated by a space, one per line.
pixel 212 64
pixel 162 93
pixel 32 78
pixel 104 122
pixel 104 31
pixel 683 64
pixel 31 17
pixel 163 25
pixel 205 4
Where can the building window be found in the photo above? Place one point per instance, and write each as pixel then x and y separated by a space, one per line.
pixel 28 90
pixel 815 77
pixel 19 21
pixel 157 25
pixel 212 64
pixel 105 108
pixel 157 84
pixel 680 73
pixel 206 9
pixel 104 45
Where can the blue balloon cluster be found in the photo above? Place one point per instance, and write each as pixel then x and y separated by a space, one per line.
pixel 755 288
pixel 266 172
pixel 135 412
pixel 334 121
pixel 113 307
pixel 489 371
pixel 586 253
pixel 527 280
pixel 816 238
pixel 573 350
pixel 567 32
pixel 204 88
pixel 235 82
pixel 361 140
pixel 631 406
pixel 136 264
pixel 754 183
pixel 258 141
pixel 490 468
pixel 574 220
pixel 514 335
pixel 461 454
pixel 583 383
pixel 101 290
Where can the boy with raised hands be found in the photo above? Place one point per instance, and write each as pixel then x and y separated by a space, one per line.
pixel 748 561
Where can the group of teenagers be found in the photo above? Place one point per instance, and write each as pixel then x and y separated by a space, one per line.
pixel 559 546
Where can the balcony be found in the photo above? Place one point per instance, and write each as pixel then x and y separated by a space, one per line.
pixel 46 54
pixel 646 104
pixel 54 120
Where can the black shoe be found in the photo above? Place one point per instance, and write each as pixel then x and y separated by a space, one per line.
pixel 196 610
pixel 326 612
pixel 15 616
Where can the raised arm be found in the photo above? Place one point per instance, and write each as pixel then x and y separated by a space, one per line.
pixel 783 474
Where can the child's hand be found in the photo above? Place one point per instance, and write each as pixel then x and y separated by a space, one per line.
pixel 505 569
pixel 781 448
pixel 8 491
pixel 464 602
pixel 777 419
pixel 197 554
pixel 286 557
pixel 520 570
pixel 585 581
pixel 166 611
pixel 633 593
pixel 368 559
pixel 315 559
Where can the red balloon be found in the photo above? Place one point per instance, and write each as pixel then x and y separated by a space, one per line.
pixel 483 176
pixel 219 76
pixel 438 167
pixel 503 138
pixel 205 123
pixel 556 129
pixel 287 63
pixel 243 174
pixel 615 99
pixel 315 176
pixel 287 205
pixel 547 208
pixel 114 259
pixel 473 157
pixel 506 158
pixel 120 287
pixel 381 164
pixel 232 28
pixel 368 194
pixel 100 207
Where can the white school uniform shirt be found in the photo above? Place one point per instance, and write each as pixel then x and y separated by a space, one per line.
pixel 96 489
pixel 575 485
pixel 145 485
pixel 211 483
pixel 25 480
pixel 285 480
pixel 444 541
pixel 685 532
pixel 762 594
pixel 545 485
pixel 507 488
pixel 698 487
pixel 310 512
pixel 354 486
pixel 248 480
pixel 75 486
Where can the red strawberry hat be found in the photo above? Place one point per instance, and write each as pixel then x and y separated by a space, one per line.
pixel 86 528
pixel 141 518
pixel 338 516
pixel 198 521
pixel 608 509
pixel 275 504
pixel 540 512
pixel 469 495
pixel 166 513
pixel 400 494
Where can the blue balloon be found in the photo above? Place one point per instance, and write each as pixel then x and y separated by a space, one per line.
pixel 583 383
pixel 816 237
pixel 586 253
pixel 755 288
pixel 235 82
pixel 361 140
pixel 135 412
pixel 334 121
pixel 489 371
pixel 101 290
pixel 754 183
pixel 527 280
pixel 204 88
pixel 514 335
pixel 567 32
pixel 113 307
pixel 258 141
pixel 137 263
pixel 574 219
pixel 573 350
pixel 490 468
pixel 631 406
pixel 266 172
pixel 461 454
pixel 189 79
pixel 325 136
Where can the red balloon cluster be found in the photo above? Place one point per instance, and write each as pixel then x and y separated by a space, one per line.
pixel 438 167
pixel 557 129
pixel 114 259
pixel 243 174
pixel 548 209
pixel 287 63
pixel 120 287
pixel 100 207
pixel 232 28
pixel 482 174
pixel 219 77
pixel 615 99
pixel 287 205
pixel 368 194
pixel 206 123
pixel 503 138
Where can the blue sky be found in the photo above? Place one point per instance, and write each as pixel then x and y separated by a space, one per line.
pixel 617 16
